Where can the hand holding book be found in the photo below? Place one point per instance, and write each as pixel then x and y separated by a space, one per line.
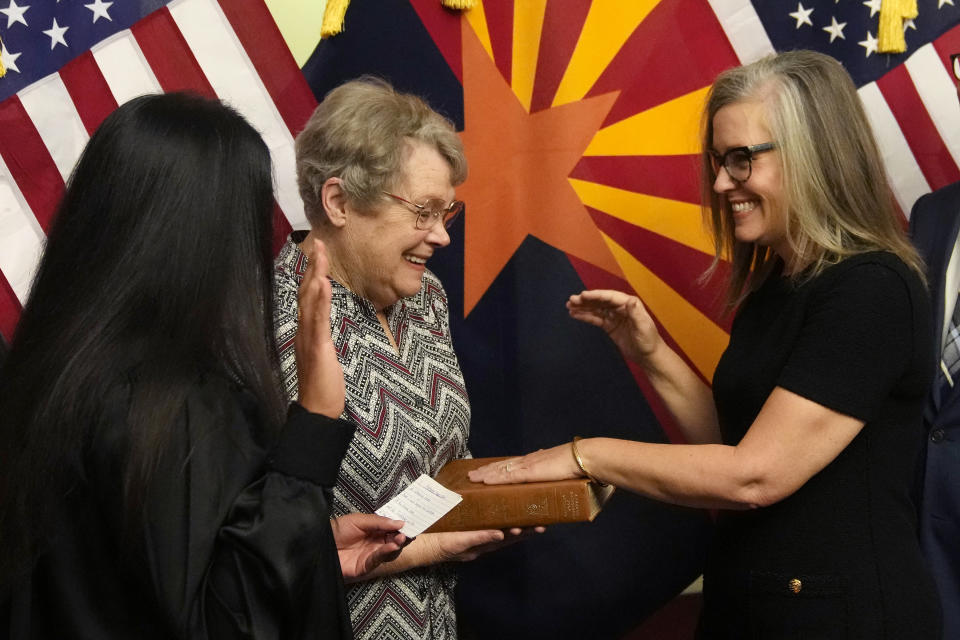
pixel 464 546
pixel 451 546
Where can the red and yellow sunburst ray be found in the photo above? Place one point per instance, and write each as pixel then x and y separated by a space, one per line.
pixel 563 211
pixel 607 28
pixel 527 31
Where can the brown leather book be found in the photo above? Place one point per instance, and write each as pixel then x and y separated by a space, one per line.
pixel 515 505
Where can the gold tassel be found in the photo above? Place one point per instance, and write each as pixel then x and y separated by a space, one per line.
pixel 892 15
pixel 459 4
pixel 3 69
pixel 333 18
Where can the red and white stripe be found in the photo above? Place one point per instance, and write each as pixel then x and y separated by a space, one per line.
pixel 230 49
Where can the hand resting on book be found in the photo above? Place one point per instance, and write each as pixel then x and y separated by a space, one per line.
pixel 555 463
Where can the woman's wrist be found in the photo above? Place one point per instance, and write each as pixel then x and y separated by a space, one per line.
pixel 576 448
pixel 416 554
pixel 320 406
pixel 666 369
pixel 654 359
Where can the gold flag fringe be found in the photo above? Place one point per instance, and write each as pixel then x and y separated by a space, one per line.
pixel 892 15
pixel 459 4
pixel 336 10
pixel 333 18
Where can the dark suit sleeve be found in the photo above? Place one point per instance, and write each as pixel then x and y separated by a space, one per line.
pixel 934 223
pixel 916 214
pixel 237 540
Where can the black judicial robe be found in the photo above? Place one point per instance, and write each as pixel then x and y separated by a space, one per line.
pixel 234 539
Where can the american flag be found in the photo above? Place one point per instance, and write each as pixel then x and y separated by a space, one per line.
pixel 70 63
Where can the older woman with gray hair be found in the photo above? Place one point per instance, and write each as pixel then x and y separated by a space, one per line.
pixel 377 171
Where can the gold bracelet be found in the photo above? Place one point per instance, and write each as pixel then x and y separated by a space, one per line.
pixel 579 461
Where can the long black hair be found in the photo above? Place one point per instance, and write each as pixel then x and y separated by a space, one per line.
pixel 157 270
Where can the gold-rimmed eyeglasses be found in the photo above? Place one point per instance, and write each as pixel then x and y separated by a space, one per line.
pixel 432 211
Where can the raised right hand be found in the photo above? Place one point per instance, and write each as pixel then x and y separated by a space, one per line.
pixel 622 316
pixel 319 373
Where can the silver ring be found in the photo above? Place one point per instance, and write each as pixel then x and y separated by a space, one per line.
pixel 507 467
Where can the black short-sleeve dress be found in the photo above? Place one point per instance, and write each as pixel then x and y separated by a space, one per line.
pixel 839 558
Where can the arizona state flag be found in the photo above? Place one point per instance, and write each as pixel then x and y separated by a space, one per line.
pixel 537 228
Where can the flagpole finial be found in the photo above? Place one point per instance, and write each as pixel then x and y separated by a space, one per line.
pixel 3 69
pixel 459 4
pixel 333 16
pixel 892 15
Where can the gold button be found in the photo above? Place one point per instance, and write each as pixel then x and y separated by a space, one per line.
pixel 795 585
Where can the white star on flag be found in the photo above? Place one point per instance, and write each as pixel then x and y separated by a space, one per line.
pixel 56 34
pixel 99 8
pixel 873 5
pixel 870 44
pixel 836 29
pixel 802 16
pixel 943 2
pixel 15 14
pixel 9 59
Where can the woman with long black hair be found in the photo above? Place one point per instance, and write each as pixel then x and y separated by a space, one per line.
pixel 153 484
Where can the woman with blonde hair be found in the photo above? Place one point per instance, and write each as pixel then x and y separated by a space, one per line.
pixel 809 442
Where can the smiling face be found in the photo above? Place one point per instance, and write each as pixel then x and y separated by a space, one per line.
pixel 384 254
pixel 756 206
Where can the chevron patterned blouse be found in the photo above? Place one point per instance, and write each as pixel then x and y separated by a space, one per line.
pixel 412 415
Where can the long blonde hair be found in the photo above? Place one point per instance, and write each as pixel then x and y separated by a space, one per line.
pixel 836 196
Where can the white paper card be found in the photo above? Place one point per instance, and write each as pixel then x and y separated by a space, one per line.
pixel 420 505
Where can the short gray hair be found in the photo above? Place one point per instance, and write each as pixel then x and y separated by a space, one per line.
pixel 359 134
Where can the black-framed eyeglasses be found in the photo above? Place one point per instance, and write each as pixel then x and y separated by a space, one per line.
pixel 955 65
pixel 738 161
pixel 432 211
